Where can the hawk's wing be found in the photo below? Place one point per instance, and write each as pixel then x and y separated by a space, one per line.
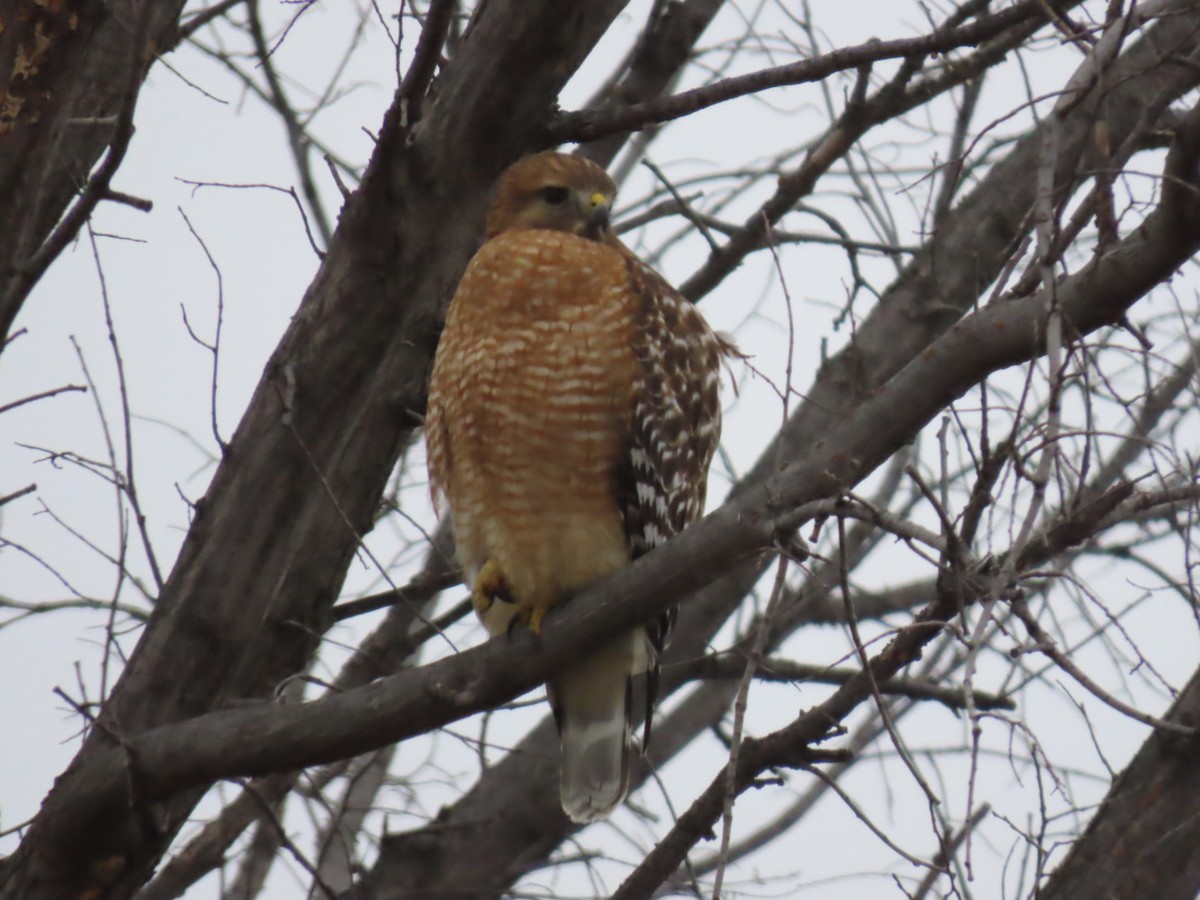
pixel 674 431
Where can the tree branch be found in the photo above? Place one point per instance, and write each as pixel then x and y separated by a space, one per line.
pixel 727 666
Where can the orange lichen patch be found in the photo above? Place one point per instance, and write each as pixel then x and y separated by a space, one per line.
pixel 29 57
pixel 41 29
pixel 10 111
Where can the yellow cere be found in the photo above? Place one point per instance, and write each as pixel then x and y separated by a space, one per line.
pixel 598 198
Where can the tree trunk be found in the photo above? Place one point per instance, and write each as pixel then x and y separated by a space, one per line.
pixel 1145 840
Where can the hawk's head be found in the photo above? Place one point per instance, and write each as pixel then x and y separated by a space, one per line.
pixel 557 192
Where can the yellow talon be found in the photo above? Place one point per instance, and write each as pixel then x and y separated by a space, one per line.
pixel 490 586
pixel 533 618
pixel 482 602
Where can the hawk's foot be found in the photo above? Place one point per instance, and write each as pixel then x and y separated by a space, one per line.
pixel 528 615
pixel 490 586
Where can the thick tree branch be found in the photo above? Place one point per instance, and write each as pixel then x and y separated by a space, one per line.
pixel 380 653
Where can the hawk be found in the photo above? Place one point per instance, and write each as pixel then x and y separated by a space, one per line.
pixel 573 413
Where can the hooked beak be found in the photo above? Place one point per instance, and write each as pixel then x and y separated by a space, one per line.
pixel 599 219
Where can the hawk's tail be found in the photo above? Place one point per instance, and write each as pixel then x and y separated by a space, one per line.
pixel 592 704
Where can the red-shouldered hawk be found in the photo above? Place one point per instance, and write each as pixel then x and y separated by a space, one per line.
pixel 573 414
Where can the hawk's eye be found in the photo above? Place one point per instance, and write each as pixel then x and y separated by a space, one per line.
pixel 555 195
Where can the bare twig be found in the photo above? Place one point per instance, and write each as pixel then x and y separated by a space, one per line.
pixel 213 348
pixel 1045 644
pixel 33 398
pixel 297 138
